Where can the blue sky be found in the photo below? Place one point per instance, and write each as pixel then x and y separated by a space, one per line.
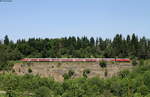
pixel 59 18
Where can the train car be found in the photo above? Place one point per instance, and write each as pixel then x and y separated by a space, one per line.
pixel 120 60
pixel 74 59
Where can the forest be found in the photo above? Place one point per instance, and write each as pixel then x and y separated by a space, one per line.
pixel 78 47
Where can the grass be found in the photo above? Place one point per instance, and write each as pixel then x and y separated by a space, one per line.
pixel 147 61
pixel 2 95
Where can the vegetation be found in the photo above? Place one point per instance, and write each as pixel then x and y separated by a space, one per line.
pixel 68 75
pixel 29 70
pixel 4 64
pixel 43 92
pixel 133 83
pixel 103 64
pixel 134 62
pixel 76 47
pixel 141 62
pixel 86 72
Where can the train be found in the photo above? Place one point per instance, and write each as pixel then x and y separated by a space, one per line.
pixel 74 59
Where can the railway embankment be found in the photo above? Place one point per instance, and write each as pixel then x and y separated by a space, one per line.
pixel 57 69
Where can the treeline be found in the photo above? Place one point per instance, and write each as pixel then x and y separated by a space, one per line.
pixel 126 84
pixel 68 47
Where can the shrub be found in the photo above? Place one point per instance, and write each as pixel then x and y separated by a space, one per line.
pixel 143 90
pixel 13 71
pixel 70 73
pixel 148 95
pixel 43 92
pixel 124 73
pixel 147 79
pixel 66 76
pixel 103 64
pixel 85 72
pixel 141 62
pixel 29 70
pixel 134 62
pixel 10 93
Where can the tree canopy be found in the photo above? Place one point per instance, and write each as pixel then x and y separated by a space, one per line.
pixel 78 47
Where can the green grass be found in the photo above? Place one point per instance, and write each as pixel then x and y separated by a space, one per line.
pixel 3 95
pixel 147 61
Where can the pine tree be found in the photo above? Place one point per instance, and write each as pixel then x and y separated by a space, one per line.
pixel 6 40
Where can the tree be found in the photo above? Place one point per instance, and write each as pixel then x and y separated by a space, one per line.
pixel 103 65
pixel 142 50
pixel 118 45
pixel 92 41
pixel 3 58
pixel 134 45
pixel 6 40
pixel 83 47
pixel 13 54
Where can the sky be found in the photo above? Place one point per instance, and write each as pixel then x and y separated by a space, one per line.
pixel 59 18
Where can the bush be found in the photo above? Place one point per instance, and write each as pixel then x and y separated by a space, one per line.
pixel 141 62
pixel 10 93
pixel 147 78
pixel 66 76
pixel 43 92
pixel 124 73
pixel 13 71
pixel 134 62
pixel 29 70
pixel 103 64
pixel 143 90
pixel 148 95
pixel 70 73
pixel 85 72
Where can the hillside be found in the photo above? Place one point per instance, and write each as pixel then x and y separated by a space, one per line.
pixel 75 79
pixel 58 69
